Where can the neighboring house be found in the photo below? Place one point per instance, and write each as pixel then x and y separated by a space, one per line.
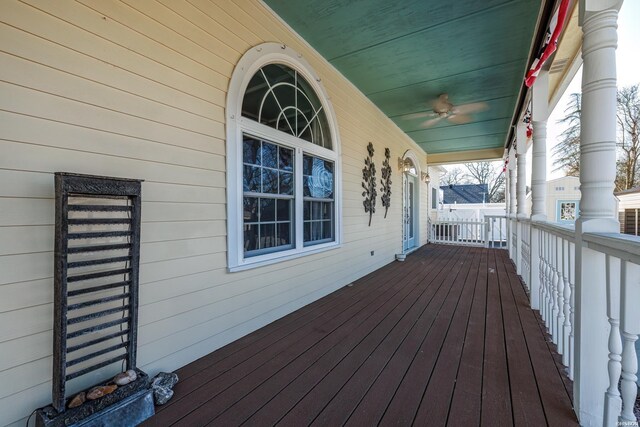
pixel 465 193
pixel 629 211
pixel 563 199
pixel 435 193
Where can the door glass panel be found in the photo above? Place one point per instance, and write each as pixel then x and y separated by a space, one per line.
pixel 410 209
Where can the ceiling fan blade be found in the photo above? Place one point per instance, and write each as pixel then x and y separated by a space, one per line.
pixel 430 122
pixel 418 115
pixel 475 107
pixel 459 119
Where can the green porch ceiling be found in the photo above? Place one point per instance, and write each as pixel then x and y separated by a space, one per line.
pixel 403 54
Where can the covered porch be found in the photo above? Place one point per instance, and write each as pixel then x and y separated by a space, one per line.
pixel 312 320
pixel 445 338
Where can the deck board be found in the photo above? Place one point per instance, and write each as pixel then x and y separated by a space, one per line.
pixel 435 404
pixel 496 401
pixel 466 403
pixel 556 401
pixel 445 338
pixel 525 400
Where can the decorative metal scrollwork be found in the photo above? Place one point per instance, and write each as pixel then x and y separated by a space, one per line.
pixel 369 184
pixel 386 182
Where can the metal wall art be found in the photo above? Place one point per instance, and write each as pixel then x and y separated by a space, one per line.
pixel 369 184
pixel 386 182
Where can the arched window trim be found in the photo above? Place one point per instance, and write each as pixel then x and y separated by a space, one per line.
pixel 251 62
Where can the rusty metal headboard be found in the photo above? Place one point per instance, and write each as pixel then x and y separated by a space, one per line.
pixel 97 256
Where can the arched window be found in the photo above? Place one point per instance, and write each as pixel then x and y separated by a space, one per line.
pixel 282 163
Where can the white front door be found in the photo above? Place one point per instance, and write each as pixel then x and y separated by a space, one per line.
pixel 410 210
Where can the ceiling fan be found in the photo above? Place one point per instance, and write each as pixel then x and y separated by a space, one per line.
pixel 444 109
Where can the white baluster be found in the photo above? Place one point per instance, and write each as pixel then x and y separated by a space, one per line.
pixel 566 310
pixel 572 307
pixel 628 384
pixel 561 291
pixel 522 250
pixel 554 290
pixel 541 271
pixel 551 278
pixel 556 287
pixel 547 279
pixel 612 400
pixel 543 275
pixel 630 323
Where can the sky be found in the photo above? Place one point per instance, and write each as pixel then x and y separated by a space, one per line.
pixel 628 70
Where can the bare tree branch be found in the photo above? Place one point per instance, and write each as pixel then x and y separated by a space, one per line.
pixel 567 151
pixel 489 173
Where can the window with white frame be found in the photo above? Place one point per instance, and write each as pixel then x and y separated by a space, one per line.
pixel 286 163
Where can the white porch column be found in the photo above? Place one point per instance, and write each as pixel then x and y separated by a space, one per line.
pixel 512 203
pixel 598 19
pixel 521 189
pixel 540 113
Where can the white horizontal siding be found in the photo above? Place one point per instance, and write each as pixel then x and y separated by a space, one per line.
pixel 628 201
pixel 137 88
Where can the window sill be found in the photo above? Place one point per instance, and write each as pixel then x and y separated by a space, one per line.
pixel 264 260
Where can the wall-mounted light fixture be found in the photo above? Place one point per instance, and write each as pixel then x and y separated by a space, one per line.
pixel 406 165
pixel 425 177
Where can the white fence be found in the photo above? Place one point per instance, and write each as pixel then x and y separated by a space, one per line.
pixel 491 231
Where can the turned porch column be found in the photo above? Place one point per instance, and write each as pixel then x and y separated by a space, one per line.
pixel 598 19
pixel 521 188
pixel 540 113
pixel 512 203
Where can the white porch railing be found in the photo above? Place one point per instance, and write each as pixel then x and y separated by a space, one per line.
pixel 550 273
pixel 513 232
pixel 622 264
pixel 525 253
pixel 497 231
pixel 556 272
pixel 488 232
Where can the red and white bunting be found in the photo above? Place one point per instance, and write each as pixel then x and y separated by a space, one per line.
pixel 550 43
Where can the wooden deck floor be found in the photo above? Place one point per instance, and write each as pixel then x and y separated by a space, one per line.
pixel 445 338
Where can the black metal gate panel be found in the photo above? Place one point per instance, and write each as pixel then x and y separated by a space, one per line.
pixel 97 257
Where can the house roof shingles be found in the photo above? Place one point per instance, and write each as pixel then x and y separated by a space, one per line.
pixel 465 193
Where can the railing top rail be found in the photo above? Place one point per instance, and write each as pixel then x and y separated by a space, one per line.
pixel 458 221
pixel 565 231
pixel 622 246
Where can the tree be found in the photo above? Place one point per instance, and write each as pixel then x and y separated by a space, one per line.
pixel 454 176
pixel 628 143
pixel 567 151
pixel 489 173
